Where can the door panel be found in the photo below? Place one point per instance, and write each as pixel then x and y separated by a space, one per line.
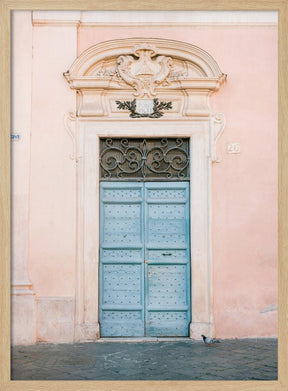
pixel 144 222
pixel 121 260
pixel 167 277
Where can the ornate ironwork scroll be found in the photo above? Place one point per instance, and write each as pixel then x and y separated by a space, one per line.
pixel 156 113
pixel 144 159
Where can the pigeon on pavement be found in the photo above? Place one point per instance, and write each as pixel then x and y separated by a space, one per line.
pixel 209 341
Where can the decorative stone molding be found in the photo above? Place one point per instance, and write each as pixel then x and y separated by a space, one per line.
pixel 105 53
pixel 145 73
pixel 218 125
pixel 155 18
pixel 144 68
pixel 70 126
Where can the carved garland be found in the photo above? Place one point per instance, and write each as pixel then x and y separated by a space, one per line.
pixel 132 107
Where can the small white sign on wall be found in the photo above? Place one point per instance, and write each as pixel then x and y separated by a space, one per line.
pixel 234 148
pixel 15 136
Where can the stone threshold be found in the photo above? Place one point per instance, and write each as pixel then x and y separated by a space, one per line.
pixel 143 339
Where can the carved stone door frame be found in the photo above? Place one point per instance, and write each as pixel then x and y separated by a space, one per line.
pixel 124 70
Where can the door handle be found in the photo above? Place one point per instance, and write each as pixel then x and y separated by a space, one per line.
pixel 166 254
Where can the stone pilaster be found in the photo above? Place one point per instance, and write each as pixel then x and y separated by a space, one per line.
pixel 23 309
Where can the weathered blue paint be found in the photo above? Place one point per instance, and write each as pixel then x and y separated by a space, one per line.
pixel 167 269
pixel 144 259
pixel 121 259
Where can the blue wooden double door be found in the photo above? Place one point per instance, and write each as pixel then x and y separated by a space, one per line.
pixel 144 259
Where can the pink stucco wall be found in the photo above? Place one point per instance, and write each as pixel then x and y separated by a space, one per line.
pixel 244 188
pixel 52 172
pixel 244 185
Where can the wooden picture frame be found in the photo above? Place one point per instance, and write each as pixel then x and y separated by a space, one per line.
pixel 9 5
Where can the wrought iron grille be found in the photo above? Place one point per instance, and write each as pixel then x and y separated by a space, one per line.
pixel 144 159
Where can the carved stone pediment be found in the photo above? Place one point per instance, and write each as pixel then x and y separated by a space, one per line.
pixel 182 69
pixel 106 70
pixel 145 70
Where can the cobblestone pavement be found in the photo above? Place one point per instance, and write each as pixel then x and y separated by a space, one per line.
pixel 248 359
